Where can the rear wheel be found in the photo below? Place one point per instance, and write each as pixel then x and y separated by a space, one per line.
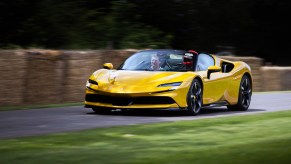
pixel 245 94
pixel 194 98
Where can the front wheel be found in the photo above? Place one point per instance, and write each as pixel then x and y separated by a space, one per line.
pixel 245 94
pixel 194 98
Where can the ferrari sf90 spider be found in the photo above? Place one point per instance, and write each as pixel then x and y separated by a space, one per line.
pixel 170 79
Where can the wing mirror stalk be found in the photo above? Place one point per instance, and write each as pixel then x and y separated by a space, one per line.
pixel 212 69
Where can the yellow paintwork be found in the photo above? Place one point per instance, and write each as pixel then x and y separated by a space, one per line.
pixel 221 87
pixel 108 65
pixel 214 68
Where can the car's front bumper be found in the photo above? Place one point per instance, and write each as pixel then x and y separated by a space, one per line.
pixel 148 100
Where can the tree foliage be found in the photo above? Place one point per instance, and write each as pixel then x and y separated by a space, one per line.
pixel 249 27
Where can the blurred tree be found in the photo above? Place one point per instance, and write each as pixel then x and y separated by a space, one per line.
pixel 13 16
pixel 271 34
pixel 248 27
pixel 120 28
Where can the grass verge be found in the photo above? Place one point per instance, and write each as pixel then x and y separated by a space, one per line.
pixel 260 138
pixel 23 107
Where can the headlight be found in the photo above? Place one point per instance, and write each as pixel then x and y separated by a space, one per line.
pixel 176 84
pixel 89 82
pixel 92 82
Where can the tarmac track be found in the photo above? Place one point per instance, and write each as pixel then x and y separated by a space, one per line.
pixel 20 123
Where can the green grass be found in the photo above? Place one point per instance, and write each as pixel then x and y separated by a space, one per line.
pixel 24 107
pixel 259 138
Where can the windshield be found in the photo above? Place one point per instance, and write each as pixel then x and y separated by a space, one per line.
pixel 160 60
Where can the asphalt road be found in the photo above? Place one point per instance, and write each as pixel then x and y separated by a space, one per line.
pixel 20 123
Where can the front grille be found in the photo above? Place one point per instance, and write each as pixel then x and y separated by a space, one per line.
pixel 125 101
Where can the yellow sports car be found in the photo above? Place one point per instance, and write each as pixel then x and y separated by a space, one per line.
pixel 170 79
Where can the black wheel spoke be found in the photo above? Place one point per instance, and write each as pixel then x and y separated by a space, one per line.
pixel 247 92
pixel 243 99
pixel 198 92
pixel 199 102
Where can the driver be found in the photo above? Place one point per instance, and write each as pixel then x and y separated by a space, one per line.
pixel 155 63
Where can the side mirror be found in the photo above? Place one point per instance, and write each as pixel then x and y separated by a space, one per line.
pixel 212 69
pixel 108 66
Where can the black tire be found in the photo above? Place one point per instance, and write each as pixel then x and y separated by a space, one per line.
pixel 194 98
pixel 99 110
pixel 244 97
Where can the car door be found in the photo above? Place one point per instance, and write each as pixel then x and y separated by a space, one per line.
pixel 215 86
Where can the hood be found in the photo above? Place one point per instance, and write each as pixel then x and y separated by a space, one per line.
pixel 122 81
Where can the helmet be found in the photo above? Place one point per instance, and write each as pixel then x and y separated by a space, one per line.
pixel 193 52
pixel 188 59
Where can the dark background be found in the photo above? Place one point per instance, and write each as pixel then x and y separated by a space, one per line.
pixel 243 27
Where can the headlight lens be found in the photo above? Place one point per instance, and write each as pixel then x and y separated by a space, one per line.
pixel 89 82
pixel 176 84
pixel 92 82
